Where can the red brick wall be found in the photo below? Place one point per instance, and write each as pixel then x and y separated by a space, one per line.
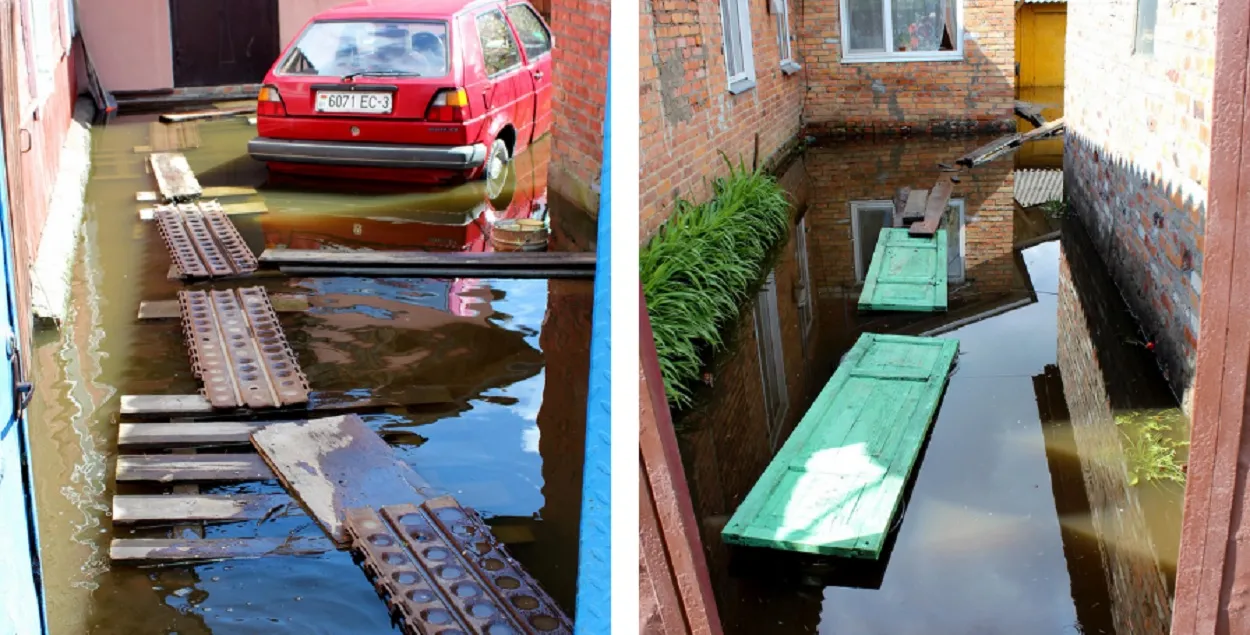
pixel 688 115
pixel 957 95
pixel 580 76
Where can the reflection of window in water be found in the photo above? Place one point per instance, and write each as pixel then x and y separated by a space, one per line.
pixel 340 48
pixel 868 218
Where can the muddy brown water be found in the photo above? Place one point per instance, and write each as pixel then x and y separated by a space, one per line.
pixel 1021 517
pixel 513 353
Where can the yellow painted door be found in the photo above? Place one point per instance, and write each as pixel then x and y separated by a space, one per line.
pixel 1041 34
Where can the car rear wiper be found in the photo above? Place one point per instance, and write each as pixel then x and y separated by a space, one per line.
pixel 350 76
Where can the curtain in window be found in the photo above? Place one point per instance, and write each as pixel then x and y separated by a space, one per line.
pixel 923 25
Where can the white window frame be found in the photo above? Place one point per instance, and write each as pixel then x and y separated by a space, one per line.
pixel 745 80
pixel 781 10
pixel 807 312
pixel 771 357
pixel 879 206
pixel 889 55
pixel 1137 50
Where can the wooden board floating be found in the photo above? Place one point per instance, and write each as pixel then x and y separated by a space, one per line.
pixel 172 137
pixel 174 178
pixel 221 191
pixel 215 113
pixel 168 468
pixel 439 559
pixel 836 484
pixel 166 550
pixel 935 206
pixel 168 309
pixel 238 350
pixel 186 434
pixel 320 402
pixel 907 273
pixel 583 262
pixel 1002 145
pixel 168 508
pixel 337 463
pixel 440 272
pixel 202 242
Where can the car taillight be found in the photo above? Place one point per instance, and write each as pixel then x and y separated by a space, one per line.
pixel 447 106
pixel 269 104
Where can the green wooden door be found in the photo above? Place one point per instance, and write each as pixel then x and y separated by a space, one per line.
pixel 908 273
pixel 836 484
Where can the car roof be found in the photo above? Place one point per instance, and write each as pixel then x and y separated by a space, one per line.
pixel 382 9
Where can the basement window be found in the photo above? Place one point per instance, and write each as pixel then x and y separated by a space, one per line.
pixel 1147 14
pixel 901 30
pixel 868 218
pixel 739 64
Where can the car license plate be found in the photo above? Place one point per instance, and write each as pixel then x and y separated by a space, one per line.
pixel 354 102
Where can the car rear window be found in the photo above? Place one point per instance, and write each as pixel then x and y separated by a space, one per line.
pixel 386 47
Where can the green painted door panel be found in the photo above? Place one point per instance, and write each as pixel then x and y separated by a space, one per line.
pixel 907 273
pixel 835 486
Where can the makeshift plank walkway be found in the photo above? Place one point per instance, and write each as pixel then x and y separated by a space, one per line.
pixel 215 113
pixel 1002 145
pixel 438 567
pixel 835 486
pixel 219 191
pixel 174 178
pixel 171 137
pixel 550 264
pixel 908 273
pixel 166 508
pixel 169 468
pixel 336 463
pixel 191 406
pixel 168 550
pixel 238 349
pixel 202 242
pixel 170 309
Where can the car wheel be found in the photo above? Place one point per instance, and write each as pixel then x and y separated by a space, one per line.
pixel 497 170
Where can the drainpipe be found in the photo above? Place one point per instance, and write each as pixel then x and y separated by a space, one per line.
pixel 594 558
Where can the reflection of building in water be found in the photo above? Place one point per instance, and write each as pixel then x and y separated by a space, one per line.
pixel 852 187
pixel 1108 376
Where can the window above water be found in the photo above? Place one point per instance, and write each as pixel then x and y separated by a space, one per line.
pixel 901 30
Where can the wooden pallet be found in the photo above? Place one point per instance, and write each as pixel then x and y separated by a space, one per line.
pixel 835 486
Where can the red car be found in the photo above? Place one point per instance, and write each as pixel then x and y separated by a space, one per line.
pixel 430 91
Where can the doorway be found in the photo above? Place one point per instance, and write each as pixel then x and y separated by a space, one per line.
pixel 223 42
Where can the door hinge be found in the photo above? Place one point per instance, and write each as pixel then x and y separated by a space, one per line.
pixel 22 389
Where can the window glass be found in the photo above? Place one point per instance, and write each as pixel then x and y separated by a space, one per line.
pixel 534 36
pixel 923 25
pixel 388 47
pixel 1147 11
pixel 866 24
pixel 733 37
pixel 783 29
pixel 498 46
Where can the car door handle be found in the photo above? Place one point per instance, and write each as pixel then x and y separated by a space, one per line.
pixel 538 74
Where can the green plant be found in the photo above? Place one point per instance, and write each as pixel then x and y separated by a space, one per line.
pixel 1150 445
pixel 700 267
pixel 1056 208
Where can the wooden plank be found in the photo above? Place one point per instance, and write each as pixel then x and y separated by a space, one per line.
pixel 147 197
pixel 167 468
pixel 198 507
pixel 248 207
pixel 228 191
pixel 440 272
pixel 915 206
pixel 168 435
pixel 168 309
pixel 836 484
pixel 452 260
pixel 198 115
pixel 900 204
pixel 322 402
pixel 174 177
pixel 248 104
pixel 998 147
pixel 178 550
pixel 934 209
pixel 907 273
pixel 1031 113
pixel 337 463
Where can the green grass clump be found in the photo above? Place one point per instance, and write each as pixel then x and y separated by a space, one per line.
pixel 700 267
pixel 1151 445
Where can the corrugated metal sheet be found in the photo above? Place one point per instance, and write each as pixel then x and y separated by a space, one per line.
pixel 1034 187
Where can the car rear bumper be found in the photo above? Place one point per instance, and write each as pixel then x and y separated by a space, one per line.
pixel 371 155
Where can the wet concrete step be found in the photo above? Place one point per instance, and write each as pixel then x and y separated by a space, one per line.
pixel 172 508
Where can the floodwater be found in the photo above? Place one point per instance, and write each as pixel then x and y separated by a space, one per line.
pixel 512 353
pixel 1036 507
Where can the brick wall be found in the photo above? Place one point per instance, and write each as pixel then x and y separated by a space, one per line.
pixel 975 93
pixel 863 170
pixel 580 77
pixel 688 115
pixel 1136 160
pixel 1104 375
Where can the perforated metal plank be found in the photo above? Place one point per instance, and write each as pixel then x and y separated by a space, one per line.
pixel 907 273
pixel 836 484
pixel 202 242
pixel 439 567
